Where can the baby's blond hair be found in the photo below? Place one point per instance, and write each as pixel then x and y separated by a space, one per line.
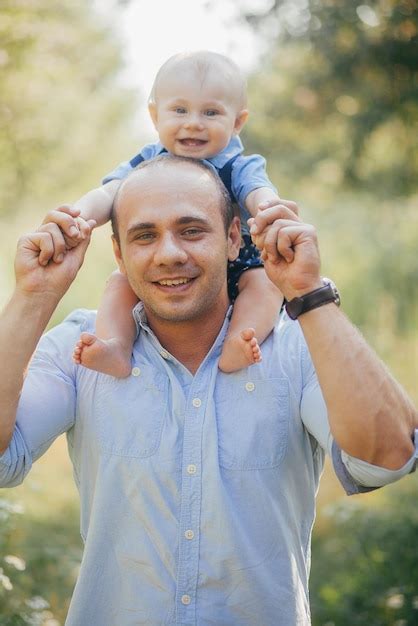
pixel 202 62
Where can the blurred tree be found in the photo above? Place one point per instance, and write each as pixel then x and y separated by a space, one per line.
pixel 364 563
pixel 344 76
pixel 62 111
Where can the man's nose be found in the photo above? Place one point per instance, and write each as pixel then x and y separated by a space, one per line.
pixel 169 251
pixel 194 120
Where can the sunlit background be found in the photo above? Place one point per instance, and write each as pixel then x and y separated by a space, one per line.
pixel 333 100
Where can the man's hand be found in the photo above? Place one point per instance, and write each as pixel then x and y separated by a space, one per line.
pixel 288 247
pixel 44 264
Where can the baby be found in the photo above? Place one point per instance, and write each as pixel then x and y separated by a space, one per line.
pixel 198 107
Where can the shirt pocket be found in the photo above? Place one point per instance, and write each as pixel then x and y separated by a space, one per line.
pixel 253 421
pixel 130 413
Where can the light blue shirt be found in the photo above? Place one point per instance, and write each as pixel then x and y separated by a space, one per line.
pixel 248 172
pixel 197 492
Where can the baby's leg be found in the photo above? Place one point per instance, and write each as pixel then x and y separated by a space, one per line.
pixel 253 318
pixel 110 351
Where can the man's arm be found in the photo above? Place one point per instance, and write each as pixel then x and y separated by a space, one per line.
pixel 40 285
pixel 370 416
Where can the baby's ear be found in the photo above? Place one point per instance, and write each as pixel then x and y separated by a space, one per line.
pixel 240 120
pixel 152 108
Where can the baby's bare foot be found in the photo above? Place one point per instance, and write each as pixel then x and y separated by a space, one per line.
pixel 239 351
pixel 103 355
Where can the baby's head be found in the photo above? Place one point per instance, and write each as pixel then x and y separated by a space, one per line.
pixel 197 103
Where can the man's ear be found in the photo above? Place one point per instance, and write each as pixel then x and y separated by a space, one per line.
pixel 234 239
pixel 118 255
pixel 152 109
pixel 240 120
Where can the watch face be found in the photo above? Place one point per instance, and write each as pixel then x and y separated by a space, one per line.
pixel 331 283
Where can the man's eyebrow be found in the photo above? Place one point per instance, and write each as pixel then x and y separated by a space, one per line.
pixel 181 221
pixel 141 226
pixel 187 219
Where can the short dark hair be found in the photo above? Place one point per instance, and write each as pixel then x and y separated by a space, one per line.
pixel 225 204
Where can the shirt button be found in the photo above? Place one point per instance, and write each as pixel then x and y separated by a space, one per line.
pixel 135 371
pixel 186 599
pixel 189 534
pixel 191 469
pixel 164 354
pixel 249 386
pixel 197 402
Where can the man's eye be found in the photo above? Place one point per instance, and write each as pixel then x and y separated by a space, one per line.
pixel 192 232
pixel 211 112
pixel 144 236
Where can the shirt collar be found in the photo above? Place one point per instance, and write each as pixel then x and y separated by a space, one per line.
pixel 141 322
pixel 234 148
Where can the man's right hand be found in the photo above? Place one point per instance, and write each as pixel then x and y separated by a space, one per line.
pixel 44 265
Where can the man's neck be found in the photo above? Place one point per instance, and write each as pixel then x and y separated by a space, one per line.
pixel 190 341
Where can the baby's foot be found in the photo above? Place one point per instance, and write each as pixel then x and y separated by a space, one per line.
pixel 103 355
pixel 239 351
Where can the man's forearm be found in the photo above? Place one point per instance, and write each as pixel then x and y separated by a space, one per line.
pixel 370 416
pixel 22 323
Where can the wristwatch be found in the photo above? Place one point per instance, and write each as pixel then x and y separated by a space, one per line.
pixel 314 299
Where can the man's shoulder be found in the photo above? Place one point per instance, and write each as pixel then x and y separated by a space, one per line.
pixel 69 330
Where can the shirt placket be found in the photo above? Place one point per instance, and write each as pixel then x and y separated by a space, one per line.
pixel 191 495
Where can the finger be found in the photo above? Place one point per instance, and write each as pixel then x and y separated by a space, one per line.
pixel 64 220
pixel 45 246
pixel 270 215
pixel 58 241
pixel 269 234
pixel 290 238
pixel 268 203
pixel 69 209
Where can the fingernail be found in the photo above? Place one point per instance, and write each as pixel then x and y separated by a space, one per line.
pixel 59 258
pixel 263 205
pixel 74 231
pixel 253 229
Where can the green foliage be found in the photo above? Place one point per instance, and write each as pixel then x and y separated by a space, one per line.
pixel 62 112
pixel 343 76
pixel 365 565
pixel 38 565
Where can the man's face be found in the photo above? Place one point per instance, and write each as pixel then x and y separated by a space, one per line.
pixel 173 247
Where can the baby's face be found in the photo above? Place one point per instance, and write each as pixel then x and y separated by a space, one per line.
pixel 196 118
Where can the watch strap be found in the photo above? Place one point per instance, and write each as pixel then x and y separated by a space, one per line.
pixel 312 300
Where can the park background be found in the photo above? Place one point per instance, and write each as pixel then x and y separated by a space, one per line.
pixel 333 94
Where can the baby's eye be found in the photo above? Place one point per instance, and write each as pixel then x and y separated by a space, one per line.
pixel 180 110
pixel 211 112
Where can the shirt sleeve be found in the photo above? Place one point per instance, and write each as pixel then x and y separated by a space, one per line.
pixel 249 173
pixel 47 404
pixel 148 152
pixel 355 475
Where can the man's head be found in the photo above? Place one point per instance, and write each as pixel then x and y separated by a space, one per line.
pixel 174 232
pixel 197 103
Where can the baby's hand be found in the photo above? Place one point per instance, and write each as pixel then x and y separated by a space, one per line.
pixel 68 228
pixel 266 204
pixel 70 223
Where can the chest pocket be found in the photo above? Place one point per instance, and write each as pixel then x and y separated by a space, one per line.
pixel 130 413
pixel 253 422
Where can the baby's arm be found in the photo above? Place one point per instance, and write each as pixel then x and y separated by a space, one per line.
pixel 97 203
pixel 260 199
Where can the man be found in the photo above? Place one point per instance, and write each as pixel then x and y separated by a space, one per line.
pixel 197 487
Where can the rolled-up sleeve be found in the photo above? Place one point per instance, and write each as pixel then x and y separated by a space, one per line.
pixel 355 475
pixel 47 404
